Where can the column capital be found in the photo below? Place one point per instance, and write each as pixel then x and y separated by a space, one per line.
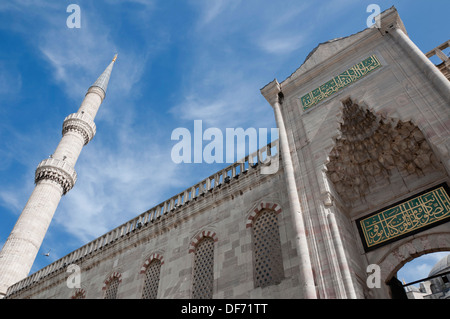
pixel 272 92
pixel 390 20
pixel 57 171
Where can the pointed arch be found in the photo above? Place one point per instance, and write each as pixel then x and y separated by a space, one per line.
pixel 151 269
pixel 203 269
pixel 396 258
pixel 110 278
pixel 268 266
pixel 149 260
pixel 111 285
pixel 197 238
pixel 259 208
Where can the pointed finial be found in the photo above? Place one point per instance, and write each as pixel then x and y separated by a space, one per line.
pixel 103 79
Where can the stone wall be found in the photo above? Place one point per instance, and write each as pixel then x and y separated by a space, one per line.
pixel 224 213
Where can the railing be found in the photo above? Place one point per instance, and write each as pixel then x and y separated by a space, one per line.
pixel 224 176
pixel 444 67
pixel 57 170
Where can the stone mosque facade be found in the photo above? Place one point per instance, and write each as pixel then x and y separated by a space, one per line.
pixel 358 177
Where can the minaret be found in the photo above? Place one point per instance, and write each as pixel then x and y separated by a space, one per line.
pixel 54 177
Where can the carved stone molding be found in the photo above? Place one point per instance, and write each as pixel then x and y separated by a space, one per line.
pixel 81 123
pixel 57 171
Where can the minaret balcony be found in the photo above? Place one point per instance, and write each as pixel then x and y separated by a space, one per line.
pixel 81 123
pixel 58 171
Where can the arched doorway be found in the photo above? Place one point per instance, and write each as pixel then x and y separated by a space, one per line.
pixel 397 258
pixel 426 276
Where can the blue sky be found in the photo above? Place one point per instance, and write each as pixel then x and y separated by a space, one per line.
pixel 179 61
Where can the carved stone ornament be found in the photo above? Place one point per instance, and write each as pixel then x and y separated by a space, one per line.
pixel 369 148
pixel 57 171
pixel 81 123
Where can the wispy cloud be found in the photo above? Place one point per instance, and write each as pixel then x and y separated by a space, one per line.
pixel 125 173
pixel 281 44
pixel 115 186
pixel 12 200
pixel 222 79
pixel 211 10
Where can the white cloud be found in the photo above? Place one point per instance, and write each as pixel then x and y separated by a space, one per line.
pixel 211 10
pixel 222 76
pixel 281 44
pixel 116 184
pixel 233 105
pixel 12 200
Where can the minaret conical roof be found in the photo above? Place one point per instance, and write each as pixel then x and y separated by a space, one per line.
pixel 103 79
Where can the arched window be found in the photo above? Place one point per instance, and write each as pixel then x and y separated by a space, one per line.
pixel 111 288
pixel 111 285
pixel 267 258
pixel 151 283
pixel 203 270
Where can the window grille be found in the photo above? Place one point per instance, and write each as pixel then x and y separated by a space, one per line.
pixel 111 289
pixel 268 261
pixel 203 271
pixel 151 283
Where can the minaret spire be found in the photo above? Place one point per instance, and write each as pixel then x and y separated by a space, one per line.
pixel 103 79
pixel 54 177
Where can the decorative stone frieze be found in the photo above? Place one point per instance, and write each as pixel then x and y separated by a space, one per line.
pixel 58 171
pixel 81 123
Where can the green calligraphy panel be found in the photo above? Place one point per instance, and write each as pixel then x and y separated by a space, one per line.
pixel 413 215
pixel 341 81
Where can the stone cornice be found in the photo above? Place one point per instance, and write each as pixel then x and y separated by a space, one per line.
pixel 271 92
